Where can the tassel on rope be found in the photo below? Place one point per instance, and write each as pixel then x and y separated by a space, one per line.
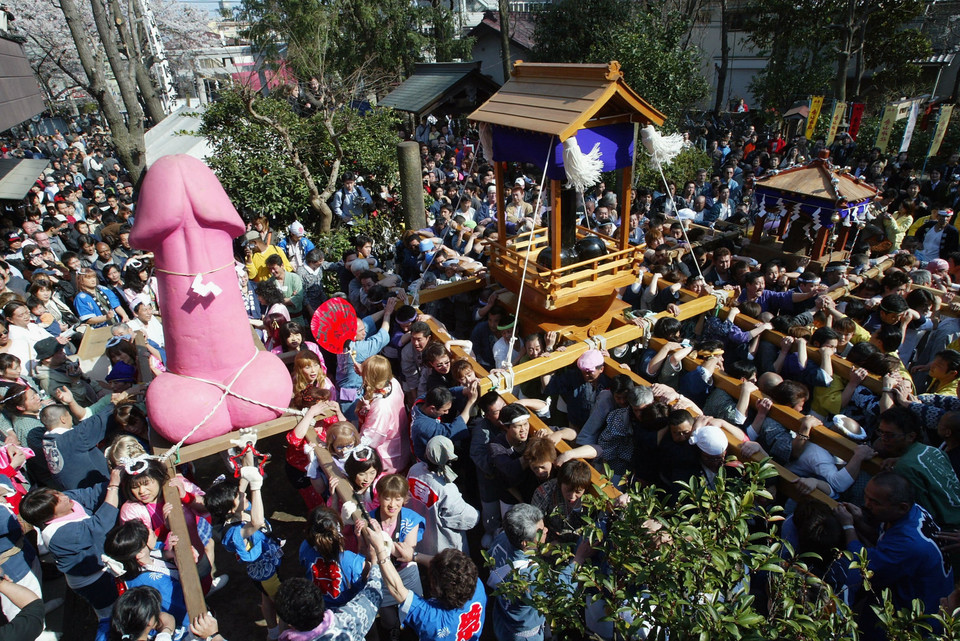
pixel 582 170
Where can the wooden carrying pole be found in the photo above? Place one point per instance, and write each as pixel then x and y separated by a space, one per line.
pixel 788 478
pixel 550 362
pixel 626 188
pixel 187 532
pixel 343 487
pixel 556 223
pixel 597 479
pixel 183 550
pixel 833 442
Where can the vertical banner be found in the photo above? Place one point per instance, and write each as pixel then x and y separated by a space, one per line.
pixel 839 109
pixel 816 104
pixel 886 128
pixel 911 125
pixel 943 120
pixel 856 117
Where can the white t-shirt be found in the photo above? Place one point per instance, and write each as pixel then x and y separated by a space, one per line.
pixel 153 329
pixel 931 244
pixel 500 351
pixel 819 463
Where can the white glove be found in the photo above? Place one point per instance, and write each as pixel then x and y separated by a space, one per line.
pixel 244 436
pixel 346 512
pixel 252 476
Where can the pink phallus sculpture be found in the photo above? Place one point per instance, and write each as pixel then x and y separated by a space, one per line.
pixel 186 219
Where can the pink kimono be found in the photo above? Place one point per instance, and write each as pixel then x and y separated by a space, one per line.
pixel 385 426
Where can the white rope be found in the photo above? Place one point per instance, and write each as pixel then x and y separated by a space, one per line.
pixel 209 271
pixel 586 217
pixel 449 228
pixel 683 228
pixel 526 260
pixel 226 391
pixel 598 342
pixel 502 380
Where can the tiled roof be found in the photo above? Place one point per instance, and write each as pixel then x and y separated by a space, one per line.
pixel 521 27
pixel 429 82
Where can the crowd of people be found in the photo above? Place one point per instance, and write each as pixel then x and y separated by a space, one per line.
pixel 439 471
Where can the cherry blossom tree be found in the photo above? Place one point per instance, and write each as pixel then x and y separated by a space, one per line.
pixel 72 44
pixel 53 53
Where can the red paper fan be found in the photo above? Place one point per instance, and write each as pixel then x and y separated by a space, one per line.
pixel 333 324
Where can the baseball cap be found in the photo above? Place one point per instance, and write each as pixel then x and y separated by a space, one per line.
pixel 251 236
pixel 14 237
pixel 123 372
pixel 47 348
pixel 590 360
pixel 710 439
pixel 296 228
pixel 938 265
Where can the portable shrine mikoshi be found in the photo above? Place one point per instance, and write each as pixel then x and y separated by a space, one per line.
pixel 810 210
pixel 568 274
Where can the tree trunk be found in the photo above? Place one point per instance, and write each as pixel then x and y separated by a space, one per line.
pixel 128 142
pixel 131 38
pixel 859 70
pixel 724 57
pixel 48 94
pixel 316 200
pixel 505 38
pixel 319 206
pixel 844 51
pixel 437 31
pixel 124 76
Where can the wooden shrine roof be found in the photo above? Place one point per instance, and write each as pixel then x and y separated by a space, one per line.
pixel 814 179
pixel 560 99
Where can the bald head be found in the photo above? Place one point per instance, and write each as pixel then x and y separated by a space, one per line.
pixel 767 381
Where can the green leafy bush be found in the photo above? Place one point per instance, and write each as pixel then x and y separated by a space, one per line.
pixel 255 170
pixel 681 569
pixel 683 168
